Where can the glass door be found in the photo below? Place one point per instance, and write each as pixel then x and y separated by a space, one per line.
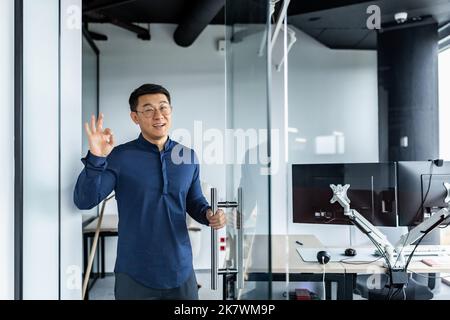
pixel 247 149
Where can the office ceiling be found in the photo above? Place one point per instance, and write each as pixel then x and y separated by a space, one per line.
pixel 344 27
pixel 335 23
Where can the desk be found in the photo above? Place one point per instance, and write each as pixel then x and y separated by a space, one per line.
pixel 107 229
pixel 293 265
pixel 343 274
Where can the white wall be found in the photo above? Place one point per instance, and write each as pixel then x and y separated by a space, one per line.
pixel 194 76
pixel 7 149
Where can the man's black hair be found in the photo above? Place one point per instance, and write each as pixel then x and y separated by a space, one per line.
pixel 147 88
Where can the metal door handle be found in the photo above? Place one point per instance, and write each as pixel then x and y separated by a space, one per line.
pixel 214 252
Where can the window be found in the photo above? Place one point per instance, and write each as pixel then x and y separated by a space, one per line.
pixel 444 105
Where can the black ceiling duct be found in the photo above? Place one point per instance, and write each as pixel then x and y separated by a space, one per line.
pixel 199 15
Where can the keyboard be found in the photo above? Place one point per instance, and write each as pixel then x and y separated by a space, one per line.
pixel 424 251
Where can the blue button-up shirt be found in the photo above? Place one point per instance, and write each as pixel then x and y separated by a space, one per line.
pixel 153 192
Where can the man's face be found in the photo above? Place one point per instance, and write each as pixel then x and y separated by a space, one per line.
pixel 153 115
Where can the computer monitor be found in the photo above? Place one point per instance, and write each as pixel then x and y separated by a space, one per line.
pixel 371 192
pixel 420 190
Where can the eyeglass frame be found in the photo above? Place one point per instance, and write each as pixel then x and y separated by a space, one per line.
pixel 159 109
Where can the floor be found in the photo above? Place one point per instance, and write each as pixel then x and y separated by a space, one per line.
pixel 104 289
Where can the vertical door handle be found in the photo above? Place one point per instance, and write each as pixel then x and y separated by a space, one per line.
pixel 214 252
pixel 240 249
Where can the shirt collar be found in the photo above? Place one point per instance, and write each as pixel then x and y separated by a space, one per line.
pixel 148 145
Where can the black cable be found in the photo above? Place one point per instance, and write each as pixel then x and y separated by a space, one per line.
pixel 417 244
pixel 380 250
pixel 385 285
pixel 396 292
pixel 383 254
pixel 415 247
pixel 420 209
pixel 388 296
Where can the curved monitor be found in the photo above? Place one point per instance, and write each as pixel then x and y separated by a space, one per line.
pixel 371 193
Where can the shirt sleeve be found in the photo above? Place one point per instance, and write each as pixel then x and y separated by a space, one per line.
pixel 196 204
pixel 95 182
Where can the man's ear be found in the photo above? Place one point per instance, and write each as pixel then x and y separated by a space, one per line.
pixel 133 116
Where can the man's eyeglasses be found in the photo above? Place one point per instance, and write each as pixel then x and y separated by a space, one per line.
pixel 165 110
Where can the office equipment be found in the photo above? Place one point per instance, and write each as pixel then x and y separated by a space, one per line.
pixel 429 250
pixel 340 276
pixel 350 252
pixel 372 193
pixel 323 257
pixel 422 189
pixel 397 266
pixel 336 254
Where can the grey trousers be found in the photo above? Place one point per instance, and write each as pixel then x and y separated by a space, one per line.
pixel 126 288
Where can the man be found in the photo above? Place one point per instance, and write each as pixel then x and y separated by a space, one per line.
pixel 153 192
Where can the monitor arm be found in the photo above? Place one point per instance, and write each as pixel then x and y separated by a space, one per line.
pixel 375 235
pixel 423 228
pixel 394 257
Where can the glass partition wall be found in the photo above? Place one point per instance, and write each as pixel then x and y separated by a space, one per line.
pixel 332 115
pixel 356 96
pixel 52 229
pixel 247 147
pixel 444 115
pixel 333 101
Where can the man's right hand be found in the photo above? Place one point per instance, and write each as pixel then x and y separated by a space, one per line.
pixel 101 142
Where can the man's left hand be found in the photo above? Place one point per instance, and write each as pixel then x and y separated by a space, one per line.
pixel 217 220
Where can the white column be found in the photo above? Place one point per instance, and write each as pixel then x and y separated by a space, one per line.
pixel 7 149
pixel 71 166
pixel 41 149
pixel 52 228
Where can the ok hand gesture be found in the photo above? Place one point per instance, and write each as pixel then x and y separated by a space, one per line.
pixel 101 142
